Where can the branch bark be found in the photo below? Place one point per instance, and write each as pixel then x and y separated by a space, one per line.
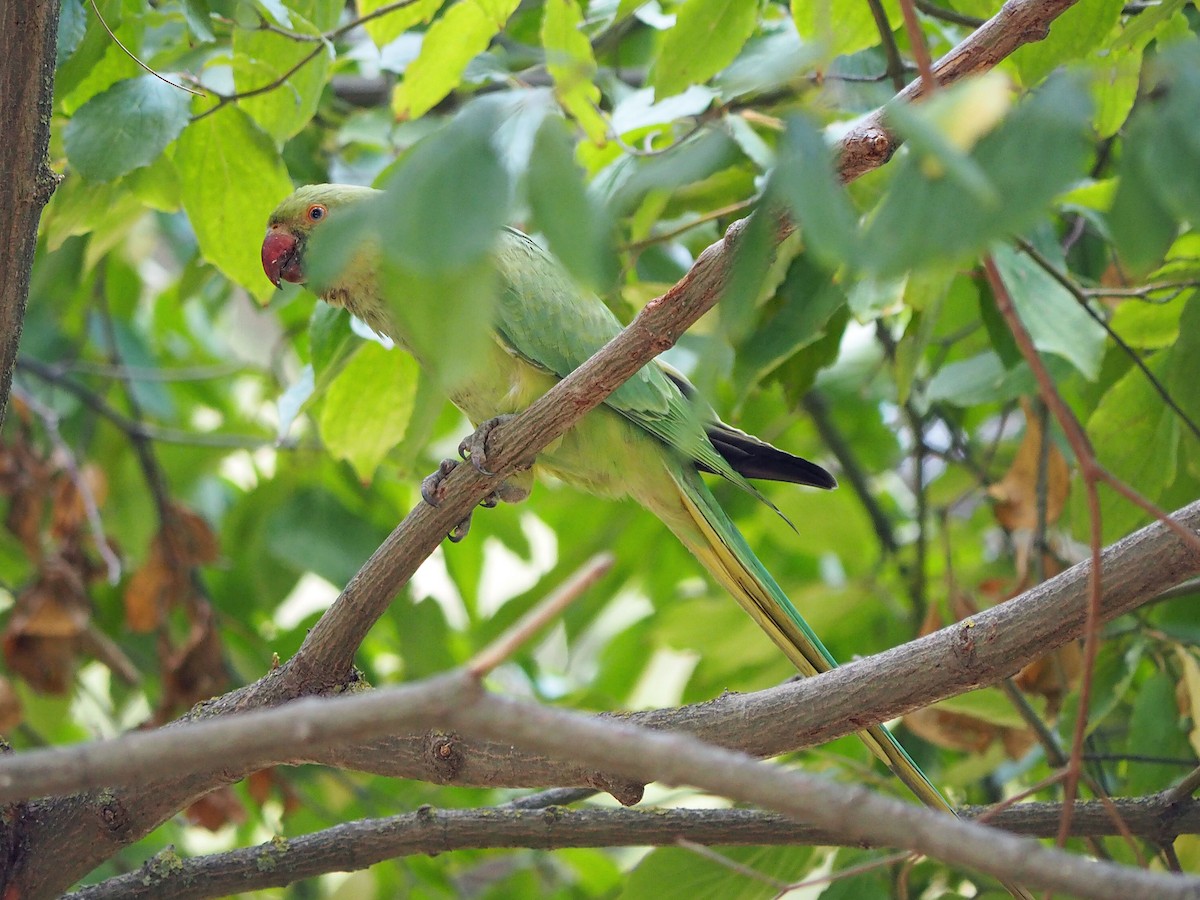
pixel 360 731
pixel 678 759
pixel 456 738
pixel 357 845
pixel 28 37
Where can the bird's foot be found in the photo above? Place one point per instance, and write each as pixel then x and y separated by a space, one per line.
pixel 433 492
pixel 474 445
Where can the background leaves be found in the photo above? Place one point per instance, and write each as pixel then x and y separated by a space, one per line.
pixel 242 460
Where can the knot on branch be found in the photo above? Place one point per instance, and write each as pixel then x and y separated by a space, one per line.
pixel 443 753
pixel 112 814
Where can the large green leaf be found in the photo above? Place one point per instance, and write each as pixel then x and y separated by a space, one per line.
pixel 1158 186
pixel 578 229
pixel 125 127
pixel 1137 439
pixel 1051 315
pixel 707 36
pixel 841 27
pixel 923 217
pixel 385 28
pixel 805 180
pixel 263 59
pixel 572 65
pixel 1072 35
pixel 461 34
pixel 367 407
pixel 445 201
pixel 231 177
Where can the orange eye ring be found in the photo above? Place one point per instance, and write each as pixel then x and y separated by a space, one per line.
pixel 316 212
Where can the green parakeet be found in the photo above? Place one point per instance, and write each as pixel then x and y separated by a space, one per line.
pixel 649 440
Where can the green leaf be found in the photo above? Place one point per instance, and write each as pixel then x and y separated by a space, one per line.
pixel 1142 225
pixel 72 25
pixel 367 407
pixel 1138 441
pixel 231 177
pixel 981 379
pixel 1072 36
pixel 1154 729
pixel 313 531
pixel 572 65
pixel 125 127
pixel 1149 326
pixel 1183 373
pixel 1162 154
pixel 1051 315
pixel 461 34
pixel 922 219
pixel 262 58
pixel 670 873
pixel 198 17
pixel 804 178
pixel 841 26
pixel 796 318
pixel 578 229
pixel 386 28
pixel 705 39
pixel 445 201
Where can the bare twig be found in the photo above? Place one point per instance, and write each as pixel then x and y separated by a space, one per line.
pixel 542 614
pixel 116 40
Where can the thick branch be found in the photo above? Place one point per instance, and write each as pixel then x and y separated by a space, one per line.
pixel 677 759
pixel 966 655
pixel 357 845
pixel 28 36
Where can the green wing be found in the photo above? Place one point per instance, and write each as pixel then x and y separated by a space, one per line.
pixel 551 323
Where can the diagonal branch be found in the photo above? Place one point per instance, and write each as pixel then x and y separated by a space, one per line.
pixel 327 653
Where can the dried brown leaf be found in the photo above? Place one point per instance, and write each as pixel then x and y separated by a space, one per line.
pixel 1016 494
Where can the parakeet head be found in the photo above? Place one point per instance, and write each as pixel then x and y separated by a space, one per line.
pixel 293 221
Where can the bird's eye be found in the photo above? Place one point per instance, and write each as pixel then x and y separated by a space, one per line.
pixel 316 212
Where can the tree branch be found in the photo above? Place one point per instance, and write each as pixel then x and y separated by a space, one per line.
pixel 357 845
pixel 677 759
pixel 28 37
pixel 326 655
pixel 955 659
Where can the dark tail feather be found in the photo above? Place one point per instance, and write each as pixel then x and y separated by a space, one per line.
pixel 753 458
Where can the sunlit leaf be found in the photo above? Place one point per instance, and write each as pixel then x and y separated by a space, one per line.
pixel 366 408
pixel 571 64
pixel 231 177
pixel 707 36
pixel 463 32
pixel 125 127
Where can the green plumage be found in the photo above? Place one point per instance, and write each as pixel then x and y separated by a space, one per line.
pixel 647 440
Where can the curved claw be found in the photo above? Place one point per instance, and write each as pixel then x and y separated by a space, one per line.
pixel 474 445
pixel 433 490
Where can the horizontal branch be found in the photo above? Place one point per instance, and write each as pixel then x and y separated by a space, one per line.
pixel 676 759
pixel 358 731
pixel 363 843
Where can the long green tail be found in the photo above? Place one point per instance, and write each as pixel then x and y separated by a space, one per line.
pixel 725 553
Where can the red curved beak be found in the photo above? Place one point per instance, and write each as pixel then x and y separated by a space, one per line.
pixel 280 256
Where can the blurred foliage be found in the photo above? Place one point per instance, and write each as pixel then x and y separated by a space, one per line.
pixel 188 476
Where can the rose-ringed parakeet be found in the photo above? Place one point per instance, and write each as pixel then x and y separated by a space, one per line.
pixel 650 439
